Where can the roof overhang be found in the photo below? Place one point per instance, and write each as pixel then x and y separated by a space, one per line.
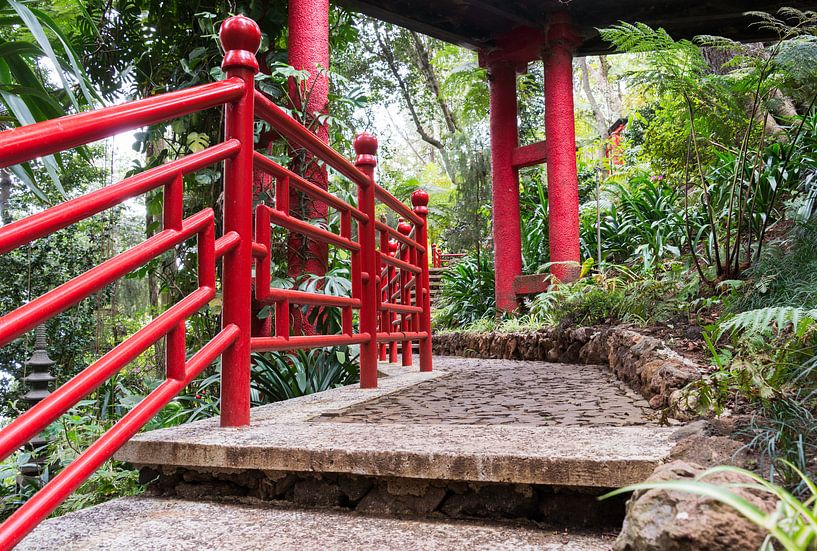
pixel 477 24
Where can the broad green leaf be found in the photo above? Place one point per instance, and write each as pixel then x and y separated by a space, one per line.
pixel 37 31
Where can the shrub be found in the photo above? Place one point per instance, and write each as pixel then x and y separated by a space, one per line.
pixel 785 275
pixel 467 294
pixel 280 376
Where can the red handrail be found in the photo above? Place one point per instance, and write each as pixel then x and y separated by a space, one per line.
pixel 392 308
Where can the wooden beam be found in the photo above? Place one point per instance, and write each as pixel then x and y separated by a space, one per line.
pixel 412 23
pixel 529 155
pixel 531 284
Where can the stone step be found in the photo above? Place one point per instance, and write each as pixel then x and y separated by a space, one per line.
pixel 440 426
pixel 156 524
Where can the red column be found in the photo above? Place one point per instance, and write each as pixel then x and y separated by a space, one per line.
pixel 419 200
pixel 366 150
pixel 240 38
pixel 309 50
pixel 560 134
pixel 504 183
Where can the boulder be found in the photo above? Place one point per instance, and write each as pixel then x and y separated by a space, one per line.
pixel 660 520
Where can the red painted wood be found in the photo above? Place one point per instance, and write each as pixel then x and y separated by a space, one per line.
pixel 239 248
pixel 366 161
pixel 531 284
pixel 419 199
pixel 529 155
pixel 563 183
pixel 240 38
pixel 505 184
pixel 308 49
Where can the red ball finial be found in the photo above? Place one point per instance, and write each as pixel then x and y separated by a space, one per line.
pixel 393 247
pixel 404 227
pixel 365 144
pixel 419 198
pixel 240 37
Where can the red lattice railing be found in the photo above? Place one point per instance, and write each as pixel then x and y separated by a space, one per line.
pixel 389 291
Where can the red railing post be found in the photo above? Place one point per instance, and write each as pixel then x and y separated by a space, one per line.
pixel 419 199
pixel 392 317
pixel 405 295
pixel 366 149
pixel 240 37
pixel 382 348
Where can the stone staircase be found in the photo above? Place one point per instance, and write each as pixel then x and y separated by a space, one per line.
pixel 435 283
pixel 479 454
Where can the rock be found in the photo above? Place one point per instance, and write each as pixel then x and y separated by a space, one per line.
pixel 208 490
pixel 492 500
pixel 660 520
pixel 380 501
pixel 314 492
pixel 595 351
pixel 354 487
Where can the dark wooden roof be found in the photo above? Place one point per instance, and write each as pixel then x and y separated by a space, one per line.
pixel 475 24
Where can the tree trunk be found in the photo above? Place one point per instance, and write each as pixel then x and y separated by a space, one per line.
pixel 5 196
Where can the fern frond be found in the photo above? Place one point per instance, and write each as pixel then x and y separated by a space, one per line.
pixel 764 321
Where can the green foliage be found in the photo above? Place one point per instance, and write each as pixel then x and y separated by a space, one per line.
pixel 31 37
pixel 533 210
pixel 467 293
pixel 641 222
pixel 281 376
pixel 793 523
pixel 733 171
pixel 765 321
pixel 785 275
pixel 620 294
pixel 583 303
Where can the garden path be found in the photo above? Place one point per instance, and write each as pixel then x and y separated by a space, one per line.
pixel 530 441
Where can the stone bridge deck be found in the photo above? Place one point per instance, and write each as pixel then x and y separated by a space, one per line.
pixel 469 420
pixel 403 466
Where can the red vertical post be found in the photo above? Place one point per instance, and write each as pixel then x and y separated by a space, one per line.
pixel 308 49
pixel 419 199
pixel 393 287
pixel 382 292
pixel 366 150
pixel 347 315
pixel 560 133
pixel 504 183
pixel 240 37
pixel 405 293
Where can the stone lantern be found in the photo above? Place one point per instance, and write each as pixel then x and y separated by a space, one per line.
pixel 38 379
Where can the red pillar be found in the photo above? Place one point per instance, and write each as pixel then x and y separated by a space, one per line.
pixel 563 183
pixel 240 37
pixel 309 50
pixel 366 150
pixel 504 182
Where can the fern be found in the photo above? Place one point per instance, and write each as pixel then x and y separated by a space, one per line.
pixel 770 320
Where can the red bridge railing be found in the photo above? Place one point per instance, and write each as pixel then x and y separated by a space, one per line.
pixel 444 260
pixel 389 291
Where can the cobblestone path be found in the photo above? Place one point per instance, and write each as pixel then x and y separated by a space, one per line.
pixel 505 392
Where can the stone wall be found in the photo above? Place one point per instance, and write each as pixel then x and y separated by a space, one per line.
pixel 561 507
pixel 645 363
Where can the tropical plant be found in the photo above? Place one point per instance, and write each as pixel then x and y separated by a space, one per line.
pixel 467 293
pixel 281 376
pixel 738 191
pixel 36 53
pixel 641 222
pixel 785 274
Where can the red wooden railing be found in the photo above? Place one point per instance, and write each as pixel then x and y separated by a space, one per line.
pixel 381 282
pixel 444 260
